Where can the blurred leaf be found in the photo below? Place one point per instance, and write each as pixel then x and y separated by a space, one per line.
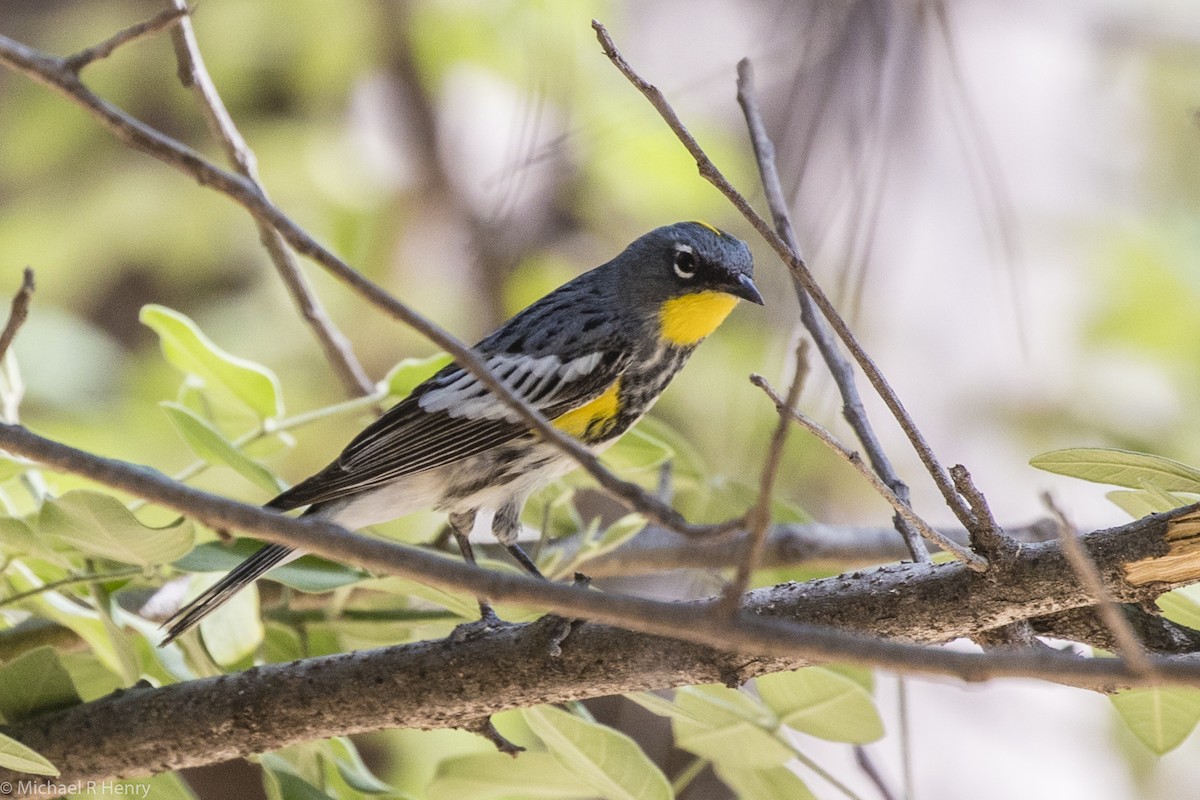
pixel 605 759
pixel 234 630
pixel 193 353
pixel 99 525
pixel 353 771
pixel 1120 468
pixel 281 644
pixel 213 448
pixel 823 703
pixel 663 707
pixel 18 757
pixel 1182 606
pixel 306 574
pixel 91 679
pixel 637 451
pixel 735 729
pixel 774 783
pixel 17 537
pixel 1138 504
pixel 1161 717
pixel 35 682
pixel 11 466
pixel 405 376
pixel 83 620
pixel 167 786
pixel 282 781
pixel 617 534
pixel 498 776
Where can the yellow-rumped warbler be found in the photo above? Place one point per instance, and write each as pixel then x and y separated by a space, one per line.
pixel 592 356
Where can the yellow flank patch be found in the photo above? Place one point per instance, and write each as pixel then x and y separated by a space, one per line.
pixel 591 416
pixel 690 317
pixel 704 224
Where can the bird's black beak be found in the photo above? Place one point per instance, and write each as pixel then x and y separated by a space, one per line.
pixel 744 288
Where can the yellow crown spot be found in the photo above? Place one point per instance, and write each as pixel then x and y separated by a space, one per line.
pixel 591 418
pixel 704 224
pixel 690 317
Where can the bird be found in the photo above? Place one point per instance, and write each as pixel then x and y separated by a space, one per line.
pixel 592 356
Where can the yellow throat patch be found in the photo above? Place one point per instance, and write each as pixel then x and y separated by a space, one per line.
pixel 690 317
pixel 593 416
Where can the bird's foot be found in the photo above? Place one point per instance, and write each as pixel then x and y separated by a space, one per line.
pixel 488 621
pixel 561 627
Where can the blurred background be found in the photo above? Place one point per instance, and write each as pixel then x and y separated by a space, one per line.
pixel 1001 196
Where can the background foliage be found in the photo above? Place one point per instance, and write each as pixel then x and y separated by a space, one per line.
pixel 1008 203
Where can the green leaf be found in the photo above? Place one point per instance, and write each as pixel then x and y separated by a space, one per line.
pixel 307 574
pixel 405 376
pixel 497 776
pixel 193 353
pixel 735 729
pixel 234 631
pixel 1182 606
pixel 637 451
pixel 663 707
pixel 91 678
pixel 18 757
pixel 1137 504
pixel 11 466
pixel 774 783
pixel 17 537
pixel 35 682
pixel 1120 468
pixel 608 761
pixel 213 448
pixel 99 525
pixel 282 780
pixel 822 703
pixel 83 620
pixel 353 771
pixel 616 534
pixel 1161 717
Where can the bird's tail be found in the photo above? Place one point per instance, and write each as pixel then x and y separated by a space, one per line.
pixel 216 595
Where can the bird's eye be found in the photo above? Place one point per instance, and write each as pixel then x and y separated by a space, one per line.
pixel 685 262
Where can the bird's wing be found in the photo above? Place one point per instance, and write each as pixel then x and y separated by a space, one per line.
pixel 453 416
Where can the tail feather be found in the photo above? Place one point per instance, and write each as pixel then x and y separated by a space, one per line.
pixel 216 595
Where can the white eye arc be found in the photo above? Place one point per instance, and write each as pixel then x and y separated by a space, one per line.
pixel 685 261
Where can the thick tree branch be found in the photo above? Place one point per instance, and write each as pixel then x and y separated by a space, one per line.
pixel 439 684
pixel 55 73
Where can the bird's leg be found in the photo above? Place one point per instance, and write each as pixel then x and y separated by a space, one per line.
pixel 461 524
pixel 506 526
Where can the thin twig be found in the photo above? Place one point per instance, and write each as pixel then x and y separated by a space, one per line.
pixel 863 759
pixel 972 560
pixel 51 71
pixel 71 580
pixel 19 311
pixel 759 515
pixel 164 19
pixel 839 367
pixel 194 75
pixel 987 537
pixel 709 172
pixel 1128 643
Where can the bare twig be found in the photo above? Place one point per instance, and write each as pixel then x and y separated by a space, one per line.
pixel 759 515
pixel 194 75
pixel 1128 643
pixel 972 561
pixel 71 580
pixel 52 71
pixel 863 759
pixel 839 367
pixel 19 311
pixel 160 21
pixel 708 170
pixel 987 537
